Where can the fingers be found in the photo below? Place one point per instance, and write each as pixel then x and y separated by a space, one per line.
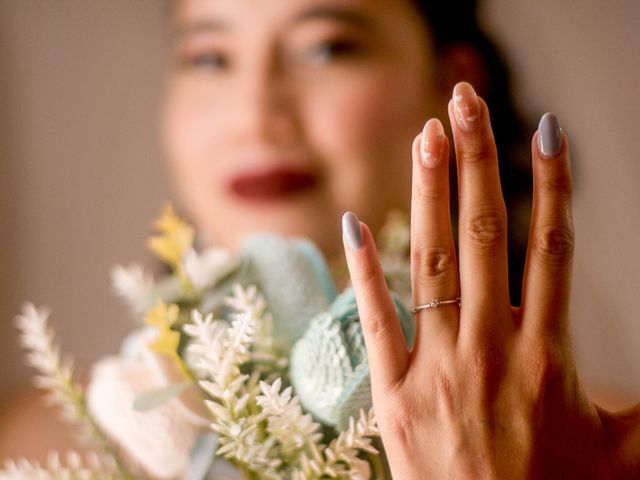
pixel 482 220
pixel 550 251
pixel 434 272
pixel 386 350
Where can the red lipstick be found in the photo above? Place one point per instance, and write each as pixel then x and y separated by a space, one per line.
pixel 272 184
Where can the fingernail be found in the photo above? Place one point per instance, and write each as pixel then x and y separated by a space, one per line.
pixel 549 135
pixel 352 231
pixel 432 143
pixel 465 106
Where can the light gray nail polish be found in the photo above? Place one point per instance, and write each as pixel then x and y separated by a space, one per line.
pixel 351 230
pixel 549 135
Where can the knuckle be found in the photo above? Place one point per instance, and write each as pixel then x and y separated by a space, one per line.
pixel 402 419
pixel 402 428
pixel 482 366
pixel 376 327
pixel 444 390
pixel 554 244
pixel 480 363
pixel 365 274
pixel 543 366
pixel 556 186
pixel 432 263
pixel 426 192
pixel 486 228
pixel 477 152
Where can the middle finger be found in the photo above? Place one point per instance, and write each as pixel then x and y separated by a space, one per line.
pixel 484 285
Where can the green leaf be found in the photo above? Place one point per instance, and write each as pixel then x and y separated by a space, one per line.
pixel 156 398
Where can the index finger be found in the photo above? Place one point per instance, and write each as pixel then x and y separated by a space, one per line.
pixel 386 350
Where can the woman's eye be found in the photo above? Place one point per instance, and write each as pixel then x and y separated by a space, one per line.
pixel 333 50
pixel 210 61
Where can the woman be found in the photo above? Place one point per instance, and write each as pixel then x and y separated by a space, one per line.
pixel 308 92
pixel 320 101
pixel 282 115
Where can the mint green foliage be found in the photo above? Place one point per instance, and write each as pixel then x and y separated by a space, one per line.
pixel 329 369
pixel 328 364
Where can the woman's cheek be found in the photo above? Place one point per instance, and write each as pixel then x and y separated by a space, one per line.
pixel 360 128
pixel 189 133
pixel 185 124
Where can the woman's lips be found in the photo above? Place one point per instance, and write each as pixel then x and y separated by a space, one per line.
pixel 272 184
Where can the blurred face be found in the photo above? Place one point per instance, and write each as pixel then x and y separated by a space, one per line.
pixel 282 114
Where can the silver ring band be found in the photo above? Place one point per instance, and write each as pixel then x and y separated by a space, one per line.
pixel 435 303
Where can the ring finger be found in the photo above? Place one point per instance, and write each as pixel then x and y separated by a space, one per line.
pixel 434 272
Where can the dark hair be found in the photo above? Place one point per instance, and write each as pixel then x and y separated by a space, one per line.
pixel 456 22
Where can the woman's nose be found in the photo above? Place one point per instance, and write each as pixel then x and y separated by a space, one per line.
pixel 265 107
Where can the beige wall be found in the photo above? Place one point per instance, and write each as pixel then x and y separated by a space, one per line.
pixel 580 59
pixel 81 174
pixel 81 177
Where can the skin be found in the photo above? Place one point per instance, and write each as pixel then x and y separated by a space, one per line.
pixel 488 391
pixel 493 393
pixel 270 84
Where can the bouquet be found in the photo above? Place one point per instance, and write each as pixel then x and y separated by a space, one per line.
pixel 247 366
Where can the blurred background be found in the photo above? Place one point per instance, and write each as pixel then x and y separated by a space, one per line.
pixel 82 176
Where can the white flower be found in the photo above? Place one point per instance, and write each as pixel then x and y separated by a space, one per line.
pixel 72 466
pixel 209 342
pixel 286 421
pixel 132 283
pixel 207 268
pixel 265 351
pixel 158 439
pixel 217 350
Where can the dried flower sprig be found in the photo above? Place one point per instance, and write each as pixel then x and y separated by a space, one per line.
pixel 294 431
pixel 54 373
pixel 239 366
pixel 266 354
pixel 341 456
pixel 70 467
pixel 55 376
pixel 261 425
pixel 221 350
pixel 133 284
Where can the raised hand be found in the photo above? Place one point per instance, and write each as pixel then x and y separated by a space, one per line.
pixel 488 390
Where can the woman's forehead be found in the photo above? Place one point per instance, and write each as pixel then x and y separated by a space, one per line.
pixel 225 14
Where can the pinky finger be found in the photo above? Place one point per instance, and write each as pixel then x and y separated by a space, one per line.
pixel 547 281
pixel 386 350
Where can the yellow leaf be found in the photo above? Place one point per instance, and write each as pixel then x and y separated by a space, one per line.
pixel 162 315
pixel 167 341
pixel 174 239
